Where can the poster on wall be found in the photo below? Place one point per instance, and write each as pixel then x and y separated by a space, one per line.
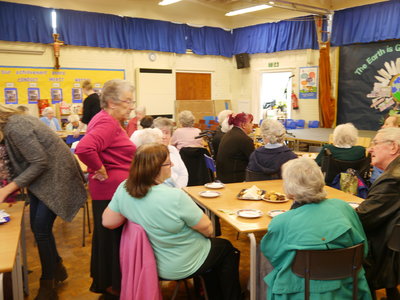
pixel 369 83
pixel 77 95
pixel 11 95
pixel 22 85
pixel 308 83
pixel 56 95
pixel 33 95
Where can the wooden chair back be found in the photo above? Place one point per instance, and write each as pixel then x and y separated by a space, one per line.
pixel 328 265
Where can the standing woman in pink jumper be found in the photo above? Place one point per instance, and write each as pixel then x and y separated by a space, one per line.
pixel 107 151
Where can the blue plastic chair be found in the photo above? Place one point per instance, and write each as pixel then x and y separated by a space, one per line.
pixel 300 124
pixel 313 124
pixel 70 139
pixel 210 163
pixel 291 125
pixel 286 122
pixel 208 119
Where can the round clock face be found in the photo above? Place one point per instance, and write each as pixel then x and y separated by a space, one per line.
pixel 152 56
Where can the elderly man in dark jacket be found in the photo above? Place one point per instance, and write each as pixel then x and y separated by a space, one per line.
pixel 381 211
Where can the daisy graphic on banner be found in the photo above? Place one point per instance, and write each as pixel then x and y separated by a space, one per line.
pixel 386 92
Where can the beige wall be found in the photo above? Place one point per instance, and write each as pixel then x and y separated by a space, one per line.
pixel 227 82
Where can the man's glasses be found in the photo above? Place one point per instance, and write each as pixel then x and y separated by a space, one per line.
pixel 374 143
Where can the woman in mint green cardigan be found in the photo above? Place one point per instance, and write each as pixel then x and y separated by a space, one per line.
pixel 313 222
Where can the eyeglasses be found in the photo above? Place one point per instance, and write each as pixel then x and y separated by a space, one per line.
pixel 129 102
pixel 374 143
pixel 166 165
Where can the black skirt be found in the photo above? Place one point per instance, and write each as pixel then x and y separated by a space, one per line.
pixel 104 264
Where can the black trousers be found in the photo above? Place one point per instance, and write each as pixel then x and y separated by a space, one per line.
pixel 220 271
pixel 104 264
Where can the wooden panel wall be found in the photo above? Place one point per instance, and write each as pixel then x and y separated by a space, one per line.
pixel 193 86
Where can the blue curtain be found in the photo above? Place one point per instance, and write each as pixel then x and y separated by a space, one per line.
pixel 365 24
pixel 81 28
pixel 209 41
pixel 145 34
pixel 272 37
pixel 25 23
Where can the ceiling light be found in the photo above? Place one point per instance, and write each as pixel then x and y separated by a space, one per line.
pixel 167 2
pixel 247 10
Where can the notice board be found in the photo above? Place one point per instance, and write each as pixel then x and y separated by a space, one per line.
pixel 26 85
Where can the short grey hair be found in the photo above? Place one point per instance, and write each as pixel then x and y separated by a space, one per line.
pixel 303 180
pixel 73 118
pixel 390 134
pixel 113 89
pixel 223 114
pixel 141 109
pixel 273 131
pixel 147 136
pixel 161 123
pixel 345 135
pixel 186 118
pixel 47 110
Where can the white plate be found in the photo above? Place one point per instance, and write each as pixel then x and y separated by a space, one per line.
pixel 214 185
pixel 275 212
pixel 209 194
pixel 353 204
pixel 249 213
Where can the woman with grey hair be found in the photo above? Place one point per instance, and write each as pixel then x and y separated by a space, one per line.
pixel 269 158
pixel 221 130
pixel 134 123
pixel 185 136
pixel 179 173
pixel 49 120
pixel 75 125
pixel 344 139
pixel 313 222
pixel 107 151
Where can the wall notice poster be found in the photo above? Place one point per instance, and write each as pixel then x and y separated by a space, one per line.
pixel 22 85
pixel 308 83
pixel 369 83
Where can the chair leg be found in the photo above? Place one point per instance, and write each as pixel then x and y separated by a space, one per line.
pixel 88 216
pixel 84 225
pixel 203 284
pixel 176 290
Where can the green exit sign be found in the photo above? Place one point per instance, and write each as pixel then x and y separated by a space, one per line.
pixel 273 64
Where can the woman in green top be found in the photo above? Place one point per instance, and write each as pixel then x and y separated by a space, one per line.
pixel 344 139
pixel 313 222
pixel 178 230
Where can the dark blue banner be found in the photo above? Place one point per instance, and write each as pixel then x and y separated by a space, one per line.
pixel 369 83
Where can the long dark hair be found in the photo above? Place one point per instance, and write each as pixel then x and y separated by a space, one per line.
pixel 146 165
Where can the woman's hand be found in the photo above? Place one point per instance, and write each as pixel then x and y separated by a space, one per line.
pixel 100 174
pixel 7 190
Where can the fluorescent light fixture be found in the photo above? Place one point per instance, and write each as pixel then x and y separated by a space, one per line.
pixel 247 10
pixel 168 2
pixel 54 21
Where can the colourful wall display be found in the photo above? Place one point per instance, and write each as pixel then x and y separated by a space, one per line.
pixel 308 83
pixel 22 85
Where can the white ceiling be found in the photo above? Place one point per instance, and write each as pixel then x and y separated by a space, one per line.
pixel 200 12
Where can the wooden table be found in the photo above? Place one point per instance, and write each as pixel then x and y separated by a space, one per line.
pixel 12 249
pixel 227 202
pixel 318 136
